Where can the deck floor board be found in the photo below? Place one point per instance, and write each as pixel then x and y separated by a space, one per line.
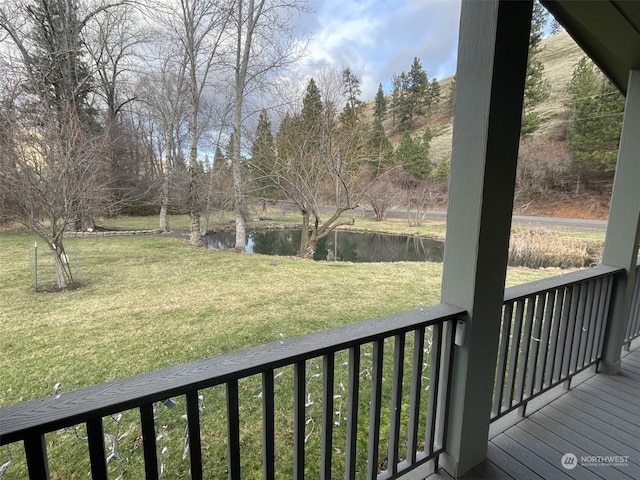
pixel 597 412
pixel 615 382
pixel 596 418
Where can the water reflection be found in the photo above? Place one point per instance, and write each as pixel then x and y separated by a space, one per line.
pixel 339 245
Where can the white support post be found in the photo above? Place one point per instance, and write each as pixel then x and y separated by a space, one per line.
pixel 492 60
pixel 623 227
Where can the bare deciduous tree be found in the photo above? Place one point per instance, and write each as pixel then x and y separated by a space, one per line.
pixel 164 98
pixel 264 45
pixel 199 27
pixel 49 177
pixel 113 40
pixel 383 193
pixel 311 170
pixel 54 150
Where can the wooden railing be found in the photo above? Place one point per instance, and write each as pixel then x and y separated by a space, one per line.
pixel 422 340
pixel 633 324
pixel 551 330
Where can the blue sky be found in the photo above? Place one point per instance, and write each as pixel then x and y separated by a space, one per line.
pixel 377 38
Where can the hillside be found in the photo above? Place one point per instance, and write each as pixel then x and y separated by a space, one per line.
pixel 559 54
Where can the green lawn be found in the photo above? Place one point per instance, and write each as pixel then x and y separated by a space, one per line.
pixel 149 301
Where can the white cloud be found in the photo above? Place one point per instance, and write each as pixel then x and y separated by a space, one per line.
pixel 377 38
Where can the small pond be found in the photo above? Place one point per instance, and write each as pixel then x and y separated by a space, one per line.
pixel 338 245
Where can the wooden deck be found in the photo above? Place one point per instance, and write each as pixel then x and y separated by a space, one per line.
pixel 598 417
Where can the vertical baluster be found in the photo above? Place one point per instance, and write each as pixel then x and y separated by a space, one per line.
pixel 268 427
pixel 535 341
pixel 635 311
pixel 635 331
pixel 416 391
pixel 586 323
pixel 569 332
pixel 35 449
pixel 561 297
pixel 505 340
pixel 95 438
pixel 374 413
pixel 601 319
pixel 514 352
pixel 233 430
pixel 606 309
pixel 299 416
pixel 577 329
pixel 596 307
pixel 562 336
pixel 526 344
pixel 352 413
pixel 149 442
pixel 434 388
pixel 193 429
pixel 328 366
pixel 544 340
pixel 633 324
pixel 396 402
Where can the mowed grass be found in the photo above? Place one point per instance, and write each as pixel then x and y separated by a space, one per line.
pixel 148 302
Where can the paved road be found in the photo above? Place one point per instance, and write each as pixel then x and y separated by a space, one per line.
pixel 573 223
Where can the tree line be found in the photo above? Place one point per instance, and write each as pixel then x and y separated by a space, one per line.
pixel 111 108
pixel 114 106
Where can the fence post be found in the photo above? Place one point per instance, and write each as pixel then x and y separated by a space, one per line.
pixel 35 266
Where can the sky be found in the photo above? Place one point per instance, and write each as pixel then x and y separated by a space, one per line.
pixel 379 38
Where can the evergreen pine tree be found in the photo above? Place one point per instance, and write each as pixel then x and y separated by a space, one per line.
pixel 312 118
pixel 414 98
pixel 263 156
pixel 413 155
pixel 228 151
pixel 348 139
pixel 262 148
pixel 380 105
pixel 379 147
pixel 63 79
pixel 442 171
pixel 594 132
pixel 352 90
pixel 536 87
pixel 399 82
pixel 219 161
pixel 451 97
pixel 288 138
pixel 433 93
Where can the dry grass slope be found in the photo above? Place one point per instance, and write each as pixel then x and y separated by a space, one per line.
pixel 559 54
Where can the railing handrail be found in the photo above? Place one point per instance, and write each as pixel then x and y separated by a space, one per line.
pixel 551 329
pixel 539 286
pixel 50 413
pixel 632 329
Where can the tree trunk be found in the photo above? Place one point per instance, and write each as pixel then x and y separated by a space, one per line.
pixel 194 230
pixel 63 271
pixel 194 212
pixel 164 201
pixel 308 237
pixel 164 219
pixel 242 61
pixel 238 206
